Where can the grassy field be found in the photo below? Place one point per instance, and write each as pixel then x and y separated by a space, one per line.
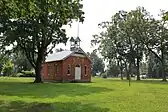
pixel 102 95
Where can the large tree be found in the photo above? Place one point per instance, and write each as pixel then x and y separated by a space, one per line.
pixel 155 38
pixel 36 26
pixel 120 39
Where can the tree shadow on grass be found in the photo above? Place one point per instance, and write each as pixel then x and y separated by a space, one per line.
pixel 19 106
pixel 48 90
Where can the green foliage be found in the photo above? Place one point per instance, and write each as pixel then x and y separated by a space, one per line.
pixel 3 59
pixel 156 41
pixel 26 74
pixel 8 68
pixel 119 39
pixel 113 69
pixel 131 35
pixel 21 62
pixel 36 27
pixel 104 95
pixel 19 75
pixel 104 75
pixel 97 63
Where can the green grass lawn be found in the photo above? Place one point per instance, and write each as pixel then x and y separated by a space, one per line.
pixel 102 95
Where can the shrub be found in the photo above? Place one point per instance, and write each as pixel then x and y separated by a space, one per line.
pixel 8 68
pixel 19 75
pixel 104 75
pixel 26 74
pixel 14 74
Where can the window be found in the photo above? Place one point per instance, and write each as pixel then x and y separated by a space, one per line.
pixel 49 69
pixel 69 69
pixel 55 69
pixel 85 69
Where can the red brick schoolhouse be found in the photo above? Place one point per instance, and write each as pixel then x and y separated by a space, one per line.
pixel 69 65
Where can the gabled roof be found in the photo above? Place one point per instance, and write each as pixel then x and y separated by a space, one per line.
pixel 58 56
pixel 72 39
pixel 63 55
pixel 78 39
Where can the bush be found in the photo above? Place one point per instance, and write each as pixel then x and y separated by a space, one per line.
pixel 14 74
pixel 104 75
pixel 19 75
pixel 26 74
pixel 8 68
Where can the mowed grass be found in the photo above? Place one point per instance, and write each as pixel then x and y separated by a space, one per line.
pixel 102 95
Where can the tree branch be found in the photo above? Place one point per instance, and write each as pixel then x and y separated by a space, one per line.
pixel 50 50
pixel 32 62
pixel 153 53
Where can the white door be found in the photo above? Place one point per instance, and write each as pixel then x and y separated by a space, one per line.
pixel 77 72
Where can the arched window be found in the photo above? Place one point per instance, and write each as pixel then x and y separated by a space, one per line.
pixel 85 69
pixel 69 69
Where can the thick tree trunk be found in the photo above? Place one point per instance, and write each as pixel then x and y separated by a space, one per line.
pixel 137 68
pixel 127 75
pixel 127 72
pixel 38 67
pixel 38 73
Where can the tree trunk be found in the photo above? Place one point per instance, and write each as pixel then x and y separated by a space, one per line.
pixel 126 70
pixel 38 74
pixel 38 68
pixel 130 71
pixel 137 68
pixel 163 66
pixel 129 74
pixel 121 68
pixel 121 72
pixel 157 73
pixel 163 72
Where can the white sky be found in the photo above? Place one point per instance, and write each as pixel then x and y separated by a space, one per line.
pixel 97 11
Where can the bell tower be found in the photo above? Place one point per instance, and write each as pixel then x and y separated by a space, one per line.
pixel 75 44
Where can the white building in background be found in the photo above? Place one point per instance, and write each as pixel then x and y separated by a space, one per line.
pixel 144 66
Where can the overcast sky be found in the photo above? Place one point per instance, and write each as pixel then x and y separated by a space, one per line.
pixel 97 11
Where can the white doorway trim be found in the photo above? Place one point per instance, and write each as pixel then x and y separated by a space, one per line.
pixel 77 72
